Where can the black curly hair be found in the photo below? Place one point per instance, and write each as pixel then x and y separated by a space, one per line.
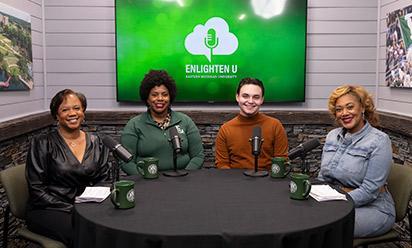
pixel 57 100
pixel 156 78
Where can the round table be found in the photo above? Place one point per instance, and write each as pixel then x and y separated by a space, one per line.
pixel 215 208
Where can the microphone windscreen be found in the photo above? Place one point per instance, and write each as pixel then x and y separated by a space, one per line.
pixel 256 132
pixel 173 132
pixel 310 145
pixel 109 142
pixel 304 148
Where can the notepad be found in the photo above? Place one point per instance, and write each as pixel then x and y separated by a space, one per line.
pixel 325 192
pixel 93 194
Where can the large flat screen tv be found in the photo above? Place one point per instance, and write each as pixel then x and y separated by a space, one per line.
pixel 207 46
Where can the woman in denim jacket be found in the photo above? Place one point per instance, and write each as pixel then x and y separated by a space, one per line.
pixel 358 157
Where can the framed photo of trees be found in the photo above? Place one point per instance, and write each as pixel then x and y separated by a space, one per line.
pixel 16 61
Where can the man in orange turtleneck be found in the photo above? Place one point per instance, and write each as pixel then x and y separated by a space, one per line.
pixel 233 149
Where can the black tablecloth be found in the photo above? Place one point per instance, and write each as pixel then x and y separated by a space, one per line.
pixel 215 208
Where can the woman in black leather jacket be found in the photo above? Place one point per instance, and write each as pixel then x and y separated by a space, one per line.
pixel 60 164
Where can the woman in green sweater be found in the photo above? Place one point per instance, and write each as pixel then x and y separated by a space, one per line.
pixel 147 135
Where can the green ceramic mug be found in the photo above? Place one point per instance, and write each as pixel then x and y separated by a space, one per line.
pixel 279 167
pixel 148 167
pixel 299 186
pixel 122 195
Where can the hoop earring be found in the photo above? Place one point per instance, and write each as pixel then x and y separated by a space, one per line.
pixel 363 115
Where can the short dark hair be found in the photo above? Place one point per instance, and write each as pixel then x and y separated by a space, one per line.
pixel 157 78
pixel 249 80
pixel 57 100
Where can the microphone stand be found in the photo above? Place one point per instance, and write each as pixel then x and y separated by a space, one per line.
pixel 305 165
pixel 114 164
pixel 256 172
pixel 175 172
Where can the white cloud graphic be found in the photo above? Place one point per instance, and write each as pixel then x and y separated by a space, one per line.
pixel 219 42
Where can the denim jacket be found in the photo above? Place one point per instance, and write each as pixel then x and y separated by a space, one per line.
pixel 362 161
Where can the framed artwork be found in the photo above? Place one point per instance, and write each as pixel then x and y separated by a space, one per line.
pixel 399 48
pixel 16 61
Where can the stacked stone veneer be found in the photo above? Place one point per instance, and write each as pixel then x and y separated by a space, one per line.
pixel 300 127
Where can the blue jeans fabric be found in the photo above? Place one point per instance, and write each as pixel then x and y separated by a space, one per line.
pixel 361 161
pixel 370 221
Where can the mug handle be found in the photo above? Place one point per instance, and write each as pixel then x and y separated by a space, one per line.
pixel 140 170
pixel 308 186
pixel 289 169
pixel 113 198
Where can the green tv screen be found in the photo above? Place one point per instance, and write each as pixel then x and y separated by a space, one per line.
pixel 208 46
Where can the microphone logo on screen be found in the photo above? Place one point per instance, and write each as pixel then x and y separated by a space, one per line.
pixel 211 40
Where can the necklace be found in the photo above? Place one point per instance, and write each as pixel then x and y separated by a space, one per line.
pixel 71 142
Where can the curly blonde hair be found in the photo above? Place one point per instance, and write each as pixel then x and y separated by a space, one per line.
pixel 362 95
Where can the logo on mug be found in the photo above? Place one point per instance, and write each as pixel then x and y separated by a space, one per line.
pixel 275 168
pixel 130 195
pixel 152 169
pixel 293 187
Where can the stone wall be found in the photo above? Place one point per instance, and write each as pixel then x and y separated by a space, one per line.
pixel 300 127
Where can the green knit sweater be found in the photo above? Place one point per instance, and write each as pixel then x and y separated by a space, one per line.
pixel 143 138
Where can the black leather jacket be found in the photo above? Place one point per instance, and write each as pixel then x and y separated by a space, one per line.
pixel 55 176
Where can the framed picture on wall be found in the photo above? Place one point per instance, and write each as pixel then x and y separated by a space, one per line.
pixel 16 61
pixel 399 48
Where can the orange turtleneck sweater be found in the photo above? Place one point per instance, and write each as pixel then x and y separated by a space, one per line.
pixel 233 149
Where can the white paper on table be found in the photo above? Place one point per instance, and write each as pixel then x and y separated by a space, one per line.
pixel 325 192
pixel 93 194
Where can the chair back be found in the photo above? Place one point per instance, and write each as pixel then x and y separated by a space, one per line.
pixel 400 187
pixel 14 183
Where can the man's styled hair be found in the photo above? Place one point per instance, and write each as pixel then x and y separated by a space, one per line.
pixel 249 80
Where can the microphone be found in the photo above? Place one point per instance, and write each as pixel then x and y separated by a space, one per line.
pixel 256 140
pixel 303 148
pixel 177 147
pixel 175 139
pixel 117 148
pixel 211 41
